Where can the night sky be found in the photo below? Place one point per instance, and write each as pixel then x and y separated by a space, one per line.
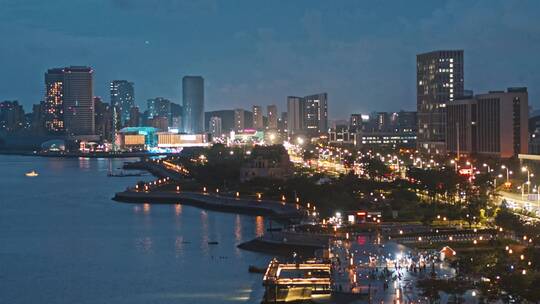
pixel 258 52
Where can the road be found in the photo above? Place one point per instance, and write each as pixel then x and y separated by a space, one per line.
pixel 517 201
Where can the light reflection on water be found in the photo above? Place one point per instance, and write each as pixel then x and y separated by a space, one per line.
pixel 238 229
pixel 259 225
pixel 82 247
pixel 178 210
pixel 84 162
pixel 204 232
pixel 144 244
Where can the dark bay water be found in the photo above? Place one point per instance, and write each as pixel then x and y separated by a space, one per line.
pixel 63 240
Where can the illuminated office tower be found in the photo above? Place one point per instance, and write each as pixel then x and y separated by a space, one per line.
pixel 78 101
pixel 123 98
pixel 53 105
pixel 439 80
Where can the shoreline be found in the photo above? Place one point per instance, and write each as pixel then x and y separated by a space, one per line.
pixel 83 155
pixel 211 202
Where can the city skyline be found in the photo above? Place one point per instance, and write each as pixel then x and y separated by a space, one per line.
pixel 356 65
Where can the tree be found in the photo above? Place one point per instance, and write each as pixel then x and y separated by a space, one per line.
pixel 375 167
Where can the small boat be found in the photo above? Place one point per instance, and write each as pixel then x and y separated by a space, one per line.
pixel 255 269
pixel 32 174
pixel 213 243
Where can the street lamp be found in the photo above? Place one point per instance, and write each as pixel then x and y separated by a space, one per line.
pixel 529 175
pixel 455 164
pixel 508 172
pixel 488 167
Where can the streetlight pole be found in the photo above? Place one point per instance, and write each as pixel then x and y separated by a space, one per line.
pixel 526 169
pixel 507 173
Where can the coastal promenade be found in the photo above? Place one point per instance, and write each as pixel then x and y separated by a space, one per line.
pixel 213 202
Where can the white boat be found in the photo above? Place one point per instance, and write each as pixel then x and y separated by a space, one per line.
pixel 32 173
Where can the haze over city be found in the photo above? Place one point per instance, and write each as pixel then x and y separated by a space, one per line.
pixel 362 53
pixel 249 151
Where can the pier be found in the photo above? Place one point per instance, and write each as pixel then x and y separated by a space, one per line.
pixel 213 202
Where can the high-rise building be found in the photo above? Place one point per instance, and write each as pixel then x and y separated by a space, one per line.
pixel 214 126
pixel 176 116
pixel 407 122
pixel 272 117
pixel 123 98
pixel 316 114
pixel 159 107
pixel 193 104
pixel 38 121
pixel 134 117
pixel 159 122
pixel 227 119
pixel 439 80
pixel 103 118
pixel 295 115
pixel 492 124
pixel 258 118
pixel 239 120
pixel 283 123
pixel 53 105
pixel 78 100
pixel 11 116
pixel 307 115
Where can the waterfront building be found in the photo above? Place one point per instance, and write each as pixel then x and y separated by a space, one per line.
pixel 176 140
pixel 440 79
pixel 123 98
pixel 258 121
pixel 215 127
pixel 493 124
pixel 78 100
pixel 38 121
pixel 53 105
pixel 137 138
pixel 193 104
pixel 11 116
pixel 103 118
pixel 310 279
pixel 272 117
